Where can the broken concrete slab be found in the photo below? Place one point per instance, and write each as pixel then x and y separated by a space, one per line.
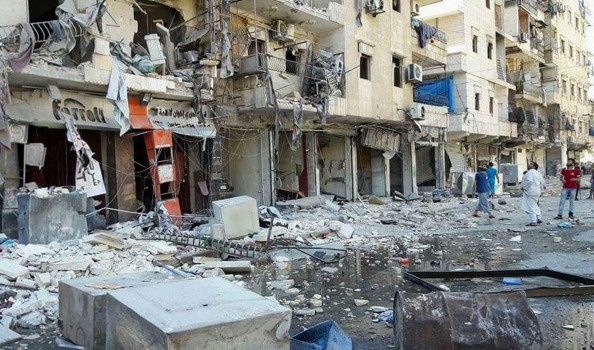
pixel 105 237
pixel 82 304
pixel 12 270
pixel 230 266
pixel 305 203
pixel 209 313
pixel 8 336
pixel 71 264
pixel 239 215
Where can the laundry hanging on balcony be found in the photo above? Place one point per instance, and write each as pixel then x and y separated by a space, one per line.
pixel 424 31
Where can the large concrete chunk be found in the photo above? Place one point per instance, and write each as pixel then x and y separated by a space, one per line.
pixel 82 304
pixel 12 270
pixel 239 215
pixel 208 313
pixel 43 219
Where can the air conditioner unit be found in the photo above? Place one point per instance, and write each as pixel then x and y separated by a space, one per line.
pixel 417 112
pixel 375 7
pixel 464 183
pixel 561 7
pixel 283 31
pixel 415 9
pixel 523 37
pixel 415 73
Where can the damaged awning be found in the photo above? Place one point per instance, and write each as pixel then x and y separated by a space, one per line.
pixel 180 118
pixel 38 108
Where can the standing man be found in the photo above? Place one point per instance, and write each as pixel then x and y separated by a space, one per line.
pixel 483 188
pixel 532 185
pixel 577 190
pixel 570 176
pixel 492 173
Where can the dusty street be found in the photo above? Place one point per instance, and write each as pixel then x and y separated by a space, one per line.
pixel 435 237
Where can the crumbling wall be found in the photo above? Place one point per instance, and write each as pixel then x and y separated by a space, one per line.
pixel 18 12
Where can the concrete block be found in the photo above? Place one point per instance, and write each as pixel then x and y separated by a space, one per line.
pixel 71 264
pixel 102 47
pixel 208 313
pixel 82 304
pixel 239 215
pixel 53 218
pixel 12 270
pixel 110 239
pixel 230 266
pixel 7 336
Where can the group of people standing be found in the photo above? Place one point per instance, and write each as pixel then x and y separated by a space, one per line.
pixel 533 183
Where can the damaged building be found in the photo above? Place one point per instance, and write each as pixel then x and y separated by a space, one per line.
pixel 176 104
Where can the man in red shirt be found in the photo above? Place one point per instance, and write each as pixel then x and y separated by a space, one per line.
pixel 570 176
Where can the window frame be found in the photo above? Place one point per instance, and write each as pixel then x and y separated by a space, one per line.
pixel 474 43
pixel 367 66
pixel 477 101
pixel 397 72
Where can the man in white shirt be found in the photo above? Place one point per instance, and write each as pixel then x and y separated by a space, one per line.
pixel 532 185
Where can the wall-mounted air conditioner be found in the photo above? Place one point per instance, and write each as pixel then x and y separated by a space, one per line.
pixel 283 31
pixel 374 7
pixel 523 37
pixel 414 73
pixel 417 112
pixel 415 9
pixel 561 7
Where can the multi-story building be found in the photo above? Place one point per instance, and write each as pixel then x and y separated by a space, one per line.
pixel 479 128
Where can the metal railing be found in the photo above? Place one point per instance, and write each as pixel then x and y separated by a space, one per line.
pixel 262 62
pixel 10 36
pixel 430 99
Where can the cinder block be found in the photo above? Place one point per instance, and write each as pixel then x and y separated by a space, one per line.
pixel 82 304
pixel 239 215
pixel 208 313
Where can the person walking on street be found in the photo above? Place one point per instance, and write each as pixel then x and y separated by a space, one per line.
pixel 577 190
pixel 483 188
pixel 570 176
pixel 492 173
pixel 532 185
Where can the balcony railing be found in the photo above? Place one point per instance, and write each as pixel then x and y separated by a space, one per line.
pixel 261 63
pixel 532 6
pixel 430 99
pixel 10 36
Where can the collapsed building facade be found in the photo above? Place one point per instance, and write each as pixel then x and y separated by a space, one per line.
pixel 180 103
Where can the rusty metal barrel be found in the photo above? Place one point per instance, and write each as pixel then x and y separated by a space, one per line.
pixel 465 321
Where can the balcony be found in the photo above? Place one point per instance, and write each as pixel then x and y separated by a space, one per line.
pixel 313 15
pixel 534 7
pixel 530 92
pixel 434 53
pixel 463 125
pixel 552 93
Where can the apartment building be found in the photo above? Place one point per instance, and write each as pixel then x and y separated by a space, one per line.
pixel 479 129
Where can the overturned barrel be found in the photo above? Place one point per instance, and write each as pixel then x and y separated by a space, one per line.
pixel 465 321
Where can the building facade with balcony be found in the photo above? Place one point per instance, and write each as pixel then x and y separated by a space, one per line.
pixel 478 121
pixel 90 90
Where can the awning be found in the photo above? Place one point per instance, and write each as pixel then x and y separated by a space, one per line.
pixel 457 158
pixel 37 108
pixel 176 116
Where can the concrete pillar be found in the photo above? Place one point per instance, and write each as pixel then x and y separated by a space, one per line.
pixel 350 156
pixel 387 156
pixel 269 168
pixel 563 154
pixel 313 177
pixel 440 170
pixel 409 167
pixel 11 173
pixel 108 155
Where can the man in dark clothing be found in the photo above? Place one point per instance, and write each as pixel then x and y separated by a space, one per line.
pixel 483 188
pixel 570 176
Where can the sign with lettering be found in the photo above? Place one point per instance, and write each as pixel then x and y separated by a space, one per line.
pixel 181 118
pixel 37 108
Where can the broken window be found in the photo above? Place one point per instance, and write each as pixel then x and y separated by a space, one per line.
pixel 43 10
pixel 475 44
pixel 477 101
pixel 397 67
pixel 488 3
pixel 292 61
pixel 490 51
pixel 365 67
pixel 396 5
pixel 491 105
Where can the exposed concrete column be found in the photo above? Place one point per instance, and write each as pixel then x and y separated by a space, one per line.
pixel 313 177
pixel 387 156
pixel 350 148
pixel 409 167
pixel 108 155
pixel 269 168
pixel 440 171
pixel 125 179
pixel 563 154
pixel 11 173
